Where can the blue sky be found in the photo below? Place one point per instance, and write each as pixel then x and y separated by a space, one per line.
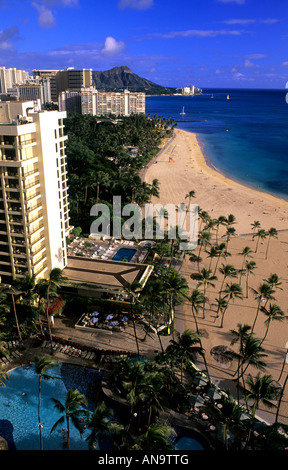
pixel 206 43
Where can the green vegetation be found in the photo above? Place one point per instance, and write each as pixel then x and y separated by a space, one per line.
pixel 105 157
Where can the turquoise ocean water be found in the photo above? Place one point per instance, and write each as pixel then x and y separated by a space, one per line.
pixel 245 137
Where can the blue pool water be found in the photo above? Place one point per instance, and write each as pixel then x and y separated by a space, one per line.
pixel 126 253
pixel 188 443
pixel 18 422
pixel 187 439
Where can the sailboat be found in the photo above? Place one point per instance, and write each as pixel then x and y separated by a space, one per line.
pixel 228 97
pixel 212 96
pixel 183 112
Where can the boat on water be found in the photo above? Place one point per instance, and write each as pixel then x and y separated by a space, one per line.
pixel 183 112
pixel 228 97
pixel 212 96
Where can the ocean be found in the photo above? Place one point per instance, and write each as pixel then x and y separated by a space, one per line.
pixel 244 137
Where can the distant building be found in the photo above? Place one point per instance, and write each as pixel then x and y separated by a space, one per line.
pixel 190 90
pixel 31 92
pixel 9 77
pixel 48 79
pixel 100 103
pixel 34 210
pixel 73 79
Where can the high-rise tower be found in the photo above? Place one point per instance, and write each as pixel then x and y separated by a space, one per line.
pixel 34 212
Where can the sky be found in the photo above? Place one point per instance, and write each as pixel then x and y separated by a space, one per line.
pixel 177 43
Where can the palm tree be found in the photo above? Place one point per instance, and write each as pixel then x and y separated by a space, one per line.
pixel 213 253
pixel 264 293
pixel 177 290
pixel 256 224
pixel 133 290
pixel 260 234
pixel 228 270
pixel 273 313
pixel 102 178
pixel 204 240
pixel 230 220
pixel 102 426
pixel 228 416
pixel 206 278
pixel 232 291
pixel 204 216
pixel 42 365
pixel 274 281
pixel 246 253
pixel 190 195
pixel 221 251
pixel 229 232
pixel 250 266
pixel 240 335
pixel 260 390
pixel 186 346
pixel 272 232
pixel 26 286
pixel 220 221
pixel 197 300
pixel 73 408
pixel 157 438
pixel 252 354
pixel 222 305
pixel 50 286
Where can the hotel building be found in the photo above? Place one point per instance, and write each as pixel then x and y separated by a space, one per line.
pixel 34 212
pixel 101 103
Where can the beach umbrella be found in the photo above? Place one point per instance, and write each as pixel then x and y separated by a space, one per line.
pixel 200 380
pixel 196 400
pixel 94 320
pixel 109 317
pixel 214 394
pixel 94 314
pixel 244 416
pixel 112 323
pixel 124 318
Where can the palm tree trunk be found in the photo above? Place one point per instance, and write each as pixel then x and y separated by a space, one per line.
pixel 255 319
pixel 267 247
pixel 280 399
pixel 48 321
pixel 16 320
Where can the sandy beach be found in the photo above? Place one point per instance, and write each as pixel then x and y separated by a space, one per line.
pixel 180 168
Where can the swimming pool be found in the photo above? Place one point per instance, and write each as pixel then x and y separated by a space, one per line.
pixel 187 439
pixel 18 422
pixel 124 254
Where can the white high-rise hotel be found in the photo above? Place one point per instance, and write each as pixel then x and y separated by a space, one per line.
pixel 34 217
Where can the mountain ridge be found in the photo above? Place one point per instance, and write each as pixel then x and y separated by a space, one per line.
pixel 121 77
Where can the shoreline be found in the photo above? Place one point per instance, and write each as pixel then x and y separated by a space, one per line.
pixel 221 196
pixel 212 167
pixel 212 188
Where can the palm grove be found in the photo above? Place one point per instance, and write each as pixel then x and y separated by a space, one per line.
pixel 101 162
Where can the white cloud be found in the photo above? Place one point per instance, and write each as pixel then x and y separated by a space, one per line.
pixel 285 64
pixel 136 4
pixel 240 21
pixel 45 18
pixel 112 47
pixel 198 33
pixel 5 37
